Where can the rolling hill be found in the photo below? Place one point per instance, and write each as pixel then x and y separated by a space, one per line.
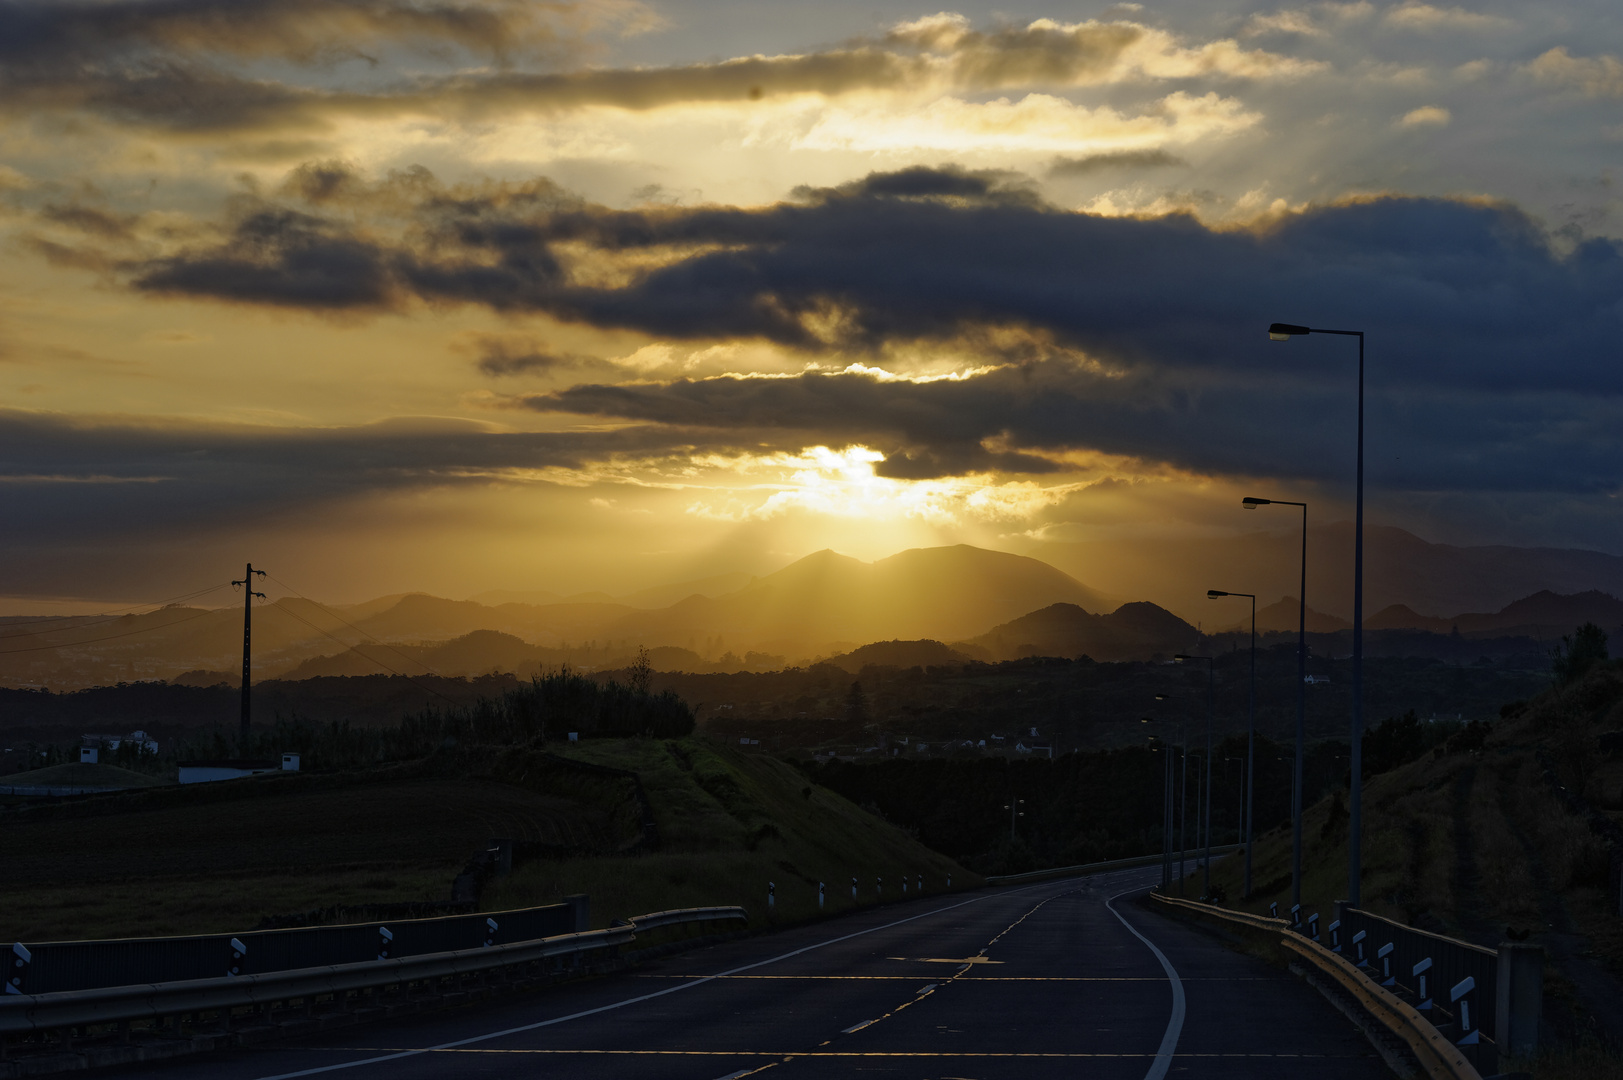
pixel 1131 632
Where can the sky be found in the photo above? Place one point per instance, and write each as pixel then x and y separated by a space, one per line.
pixel 480 294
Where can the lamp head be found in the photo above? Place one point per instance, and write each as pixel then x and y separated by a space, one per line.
pixel 1284 331
pixel 1181 657
pixel 1251 504
pixel 1162 697
pixel 1213 594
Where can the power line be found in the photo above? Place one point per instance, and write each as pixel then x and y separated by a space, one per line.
pixel 109 637
pixel 353 627
pixel 409 678
pixel 98 618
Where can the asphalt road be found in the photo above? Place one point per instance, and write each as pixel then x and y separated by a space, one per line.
pixel 1063 979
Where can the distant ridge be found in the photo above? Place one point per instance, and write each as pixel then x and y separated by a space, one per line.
pixel 901 654
pixel 1542 615
pixel 1134 631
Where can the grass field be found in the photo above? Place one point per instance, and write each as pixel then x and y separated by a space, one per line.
pixel 82 774
pixel 220 857
pixel 215 857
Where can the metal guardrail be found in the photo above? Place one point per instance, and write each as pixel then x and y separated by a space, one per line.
pixel 1100 867
pixel 22 1014
pixel 59 966
pixel 1256 922
pixel 688 915
pixel 1439 1057
pixel 1452 960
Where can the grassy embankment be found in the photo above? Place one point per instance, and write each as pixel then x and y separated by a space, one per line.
pixel 730 822
pixel 220 857
pixel 1473 838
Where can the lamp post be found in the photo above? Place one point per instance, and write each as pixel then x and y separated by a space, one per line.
pixel 1355 823
pixel 1183 796
pixel 1166 810
pixel 1250 734
pixel 1301 701
pixel 1206 809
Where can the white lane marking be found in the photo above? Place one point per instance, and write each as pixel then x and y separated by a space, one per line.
pixel 398 1055
pixel 926 990
pixel 735 1075
pixel 1169 1041
pixel 856 1027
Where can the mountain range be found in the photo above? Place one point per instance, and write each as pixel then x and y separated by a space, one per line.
pixel 930 604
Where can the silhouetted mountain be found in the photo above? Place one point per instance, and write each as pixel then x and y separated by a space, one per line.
pixel 1284 615
pixel 1134 631
pixel 1399 568
pixel 1543 615
pixel 900 654
pixel 828 598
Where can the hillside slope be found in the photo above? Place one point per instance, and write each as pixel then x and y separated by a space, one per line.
pixel 730 822
pixel 1513 826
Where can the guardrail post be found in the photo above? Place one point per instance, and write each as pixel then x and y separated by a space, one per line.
pixel 1519 998
pixel 1273 910
pixel 1313 926
pixel 491 926
pixel 1358 948
pixel 582 905
pixel 878 887
pixel 853 888
pixel 921 884
pixel 385 939
pixel 1384 955
pixel 1462 993
pixel 771 897
pixel 238 951
pixel 20 959
pixel 819 896
pixel 1296 917
pixel 1335 935
pixel 1422 971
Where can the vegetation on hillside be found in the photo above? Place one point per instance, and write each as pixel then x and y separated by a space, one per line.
pixel 1514 826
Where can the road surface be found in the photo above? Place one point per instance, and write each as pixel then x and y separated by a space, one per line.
pixel 1063 979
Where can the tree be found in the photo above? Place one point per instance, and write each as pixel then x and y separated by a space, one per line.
pixel 1578 652
pixel 641 673
pixel 856 705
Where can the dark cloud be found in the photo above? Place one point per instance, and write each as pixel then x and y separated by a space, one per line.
pixel 53 33
pixel 1457 294
pixel 163 478
pixel 1143 337
pixel 501 357
pixel 167 63
pixel 1065 168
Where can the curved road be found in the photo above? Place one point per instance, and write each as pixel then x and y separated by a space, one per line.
pixel 1062 979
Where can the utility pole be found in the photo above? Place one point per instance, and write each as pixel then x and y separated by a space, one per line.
pixel 247 584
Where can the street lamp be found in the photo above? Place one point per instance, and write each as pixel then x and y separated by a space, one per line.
pixel 1183 796
pixel 1206 809
pixel 1301 701
pixel 1355 824
pixel 1166 811
pixel 1250 733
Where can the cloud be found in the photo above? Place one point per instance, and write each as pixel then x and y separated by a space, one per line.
pixel 1597 76
pixel 1426 17
pixel 158 62
pixel 1133 336
pixel 1037 123
pixel 1062 167
pixel 1426 116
